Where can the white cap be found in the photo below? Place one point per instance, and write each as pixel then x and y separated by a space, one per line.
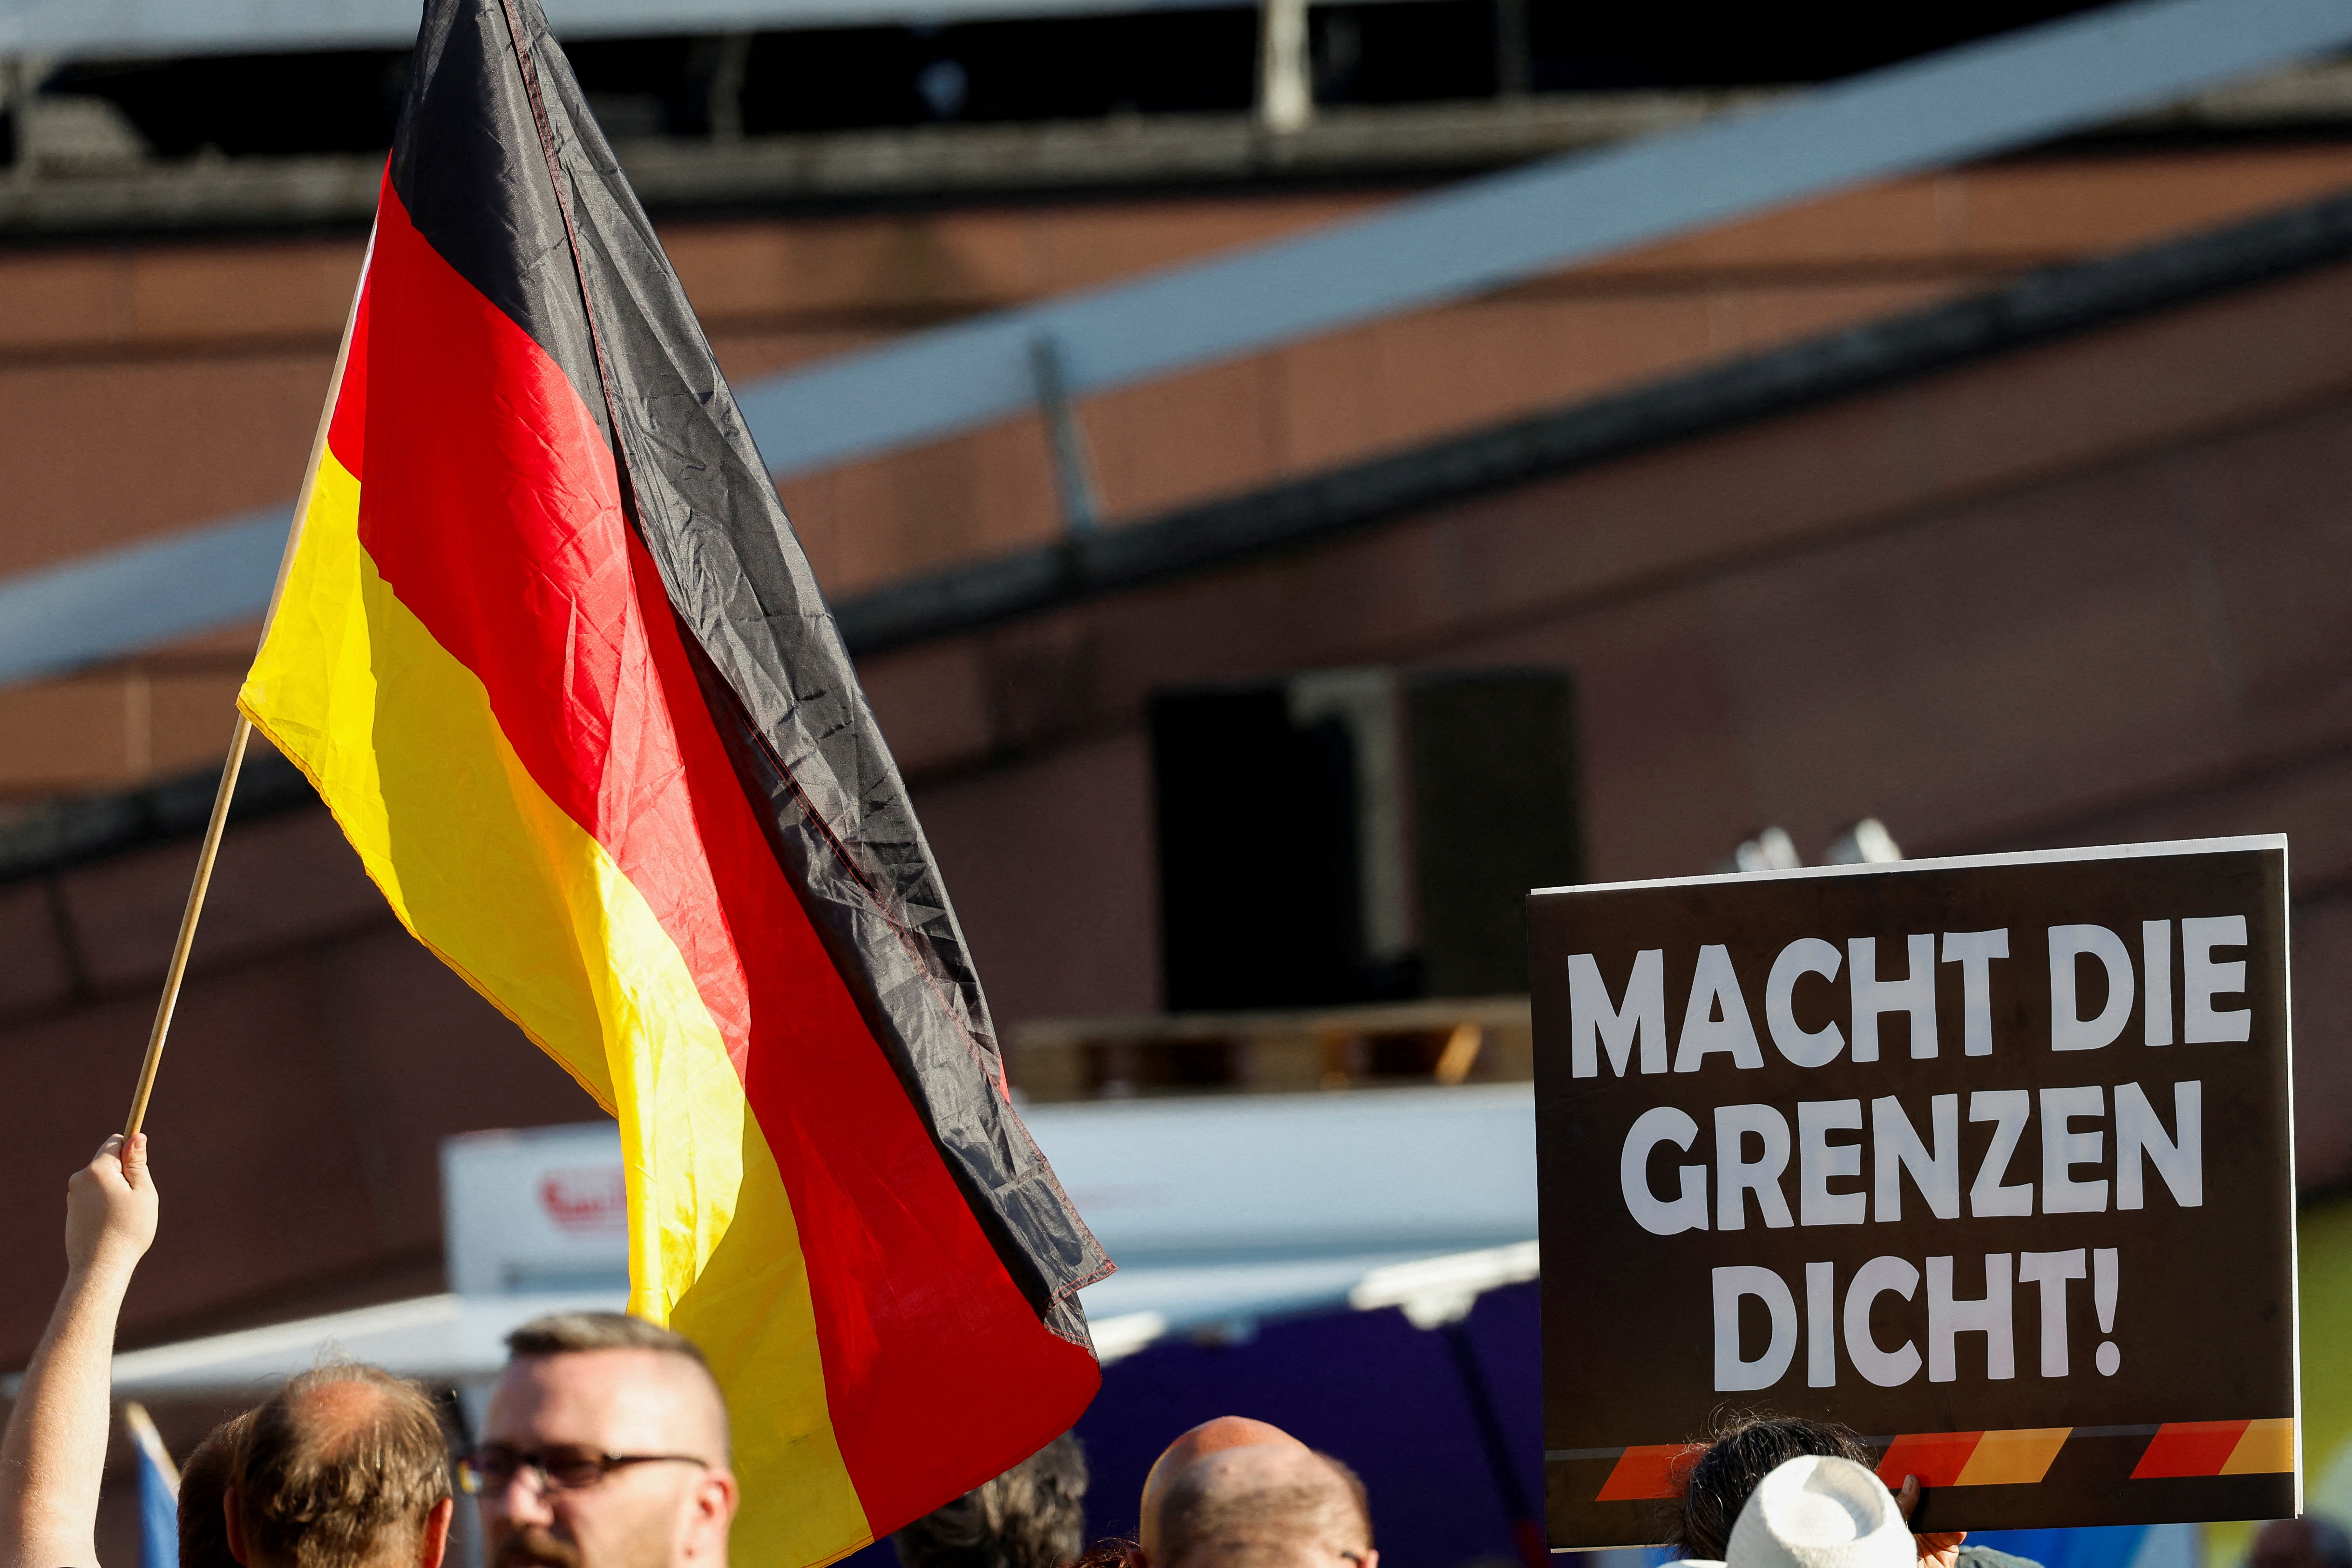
pixel 1816 1512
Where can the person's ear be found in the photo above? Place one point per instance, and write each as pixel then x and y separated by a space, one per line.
pixel 236 1525
pixel 715 1498
pixel 435 1544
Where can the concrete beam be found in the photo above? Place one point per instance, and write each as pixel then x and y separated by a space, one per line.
pixel 1425 142
pixel 1963 103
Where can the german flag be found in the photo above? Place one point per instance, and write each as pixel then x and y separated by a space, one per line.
pixel 549 649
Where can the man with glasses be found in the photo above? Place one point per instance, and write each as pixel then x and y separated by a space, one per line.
pixel 606 1446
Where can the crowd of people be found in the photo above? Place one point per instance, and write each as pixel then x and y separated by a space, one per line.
pixel 604 1445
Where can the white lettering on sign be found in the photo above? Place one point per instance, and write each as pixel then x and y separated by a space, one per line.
pixel 1717 1018
pixel 2050 1270
pixel 1736 1175
pixel 1914 994
pixel 2156 977
pixel 1950 1317
pixel 1752 1153
pixel 1643 1016
pixel 2062 1149
pixel 1821 1325
pixel 1732 1374
pixel 1659 1216
pixel 1974 952
pixel 1888 1369
pixel 1628 1029
pixel 1820 1162
pixel 2179 1159
pixel 2007 1110
pixel 1895 1142
pixel 1753 1149
pixel 2202 980
pixel 2069 945
pixel 1807 1049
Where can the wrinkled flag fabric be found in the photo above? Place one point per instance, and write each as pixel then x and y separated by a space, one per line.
pixel 591 728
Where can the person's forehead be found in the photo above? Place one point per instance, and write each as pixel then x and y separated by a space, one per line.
pixel 619 1399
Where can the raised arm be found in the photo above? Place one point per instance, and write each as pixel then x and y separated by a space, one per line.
pixel 55 1448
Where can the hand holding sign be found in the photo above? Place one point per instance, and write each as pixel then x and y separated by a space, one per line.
pixel 1939 1551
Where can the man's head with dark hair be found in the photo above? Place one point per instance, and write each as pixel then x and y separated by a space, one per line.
pixel 606 1446
pixel 1238 1493
pixel 2310 1541
pixel 345 1466
pixel 205 1478
pixel 1032 1516
pixel 1742 1451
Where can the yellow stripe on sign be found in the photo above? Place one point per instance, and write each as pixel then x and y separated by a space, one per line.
pixel 488 872
pixel 2266 1447
pixel 2020 1456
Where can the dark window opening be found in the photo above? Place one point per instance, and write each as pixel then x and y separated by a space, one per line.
pixel 1042 68
pixel 1358 836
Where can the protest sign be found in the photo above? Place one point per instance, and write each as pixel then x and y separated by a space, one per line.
pixel 1990 1160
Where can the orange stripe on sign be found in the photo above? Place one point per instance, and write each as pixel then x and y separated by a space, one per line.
pixel 2189 1448
pixel 1647 1471
pixel 1936 1458
pixel 2267 1449
pixel 2015 1458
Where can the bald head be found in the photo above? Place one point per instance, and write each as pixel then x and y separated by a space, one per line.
pixel 346 1467
pixel 1209 1438
pixel 1237 1493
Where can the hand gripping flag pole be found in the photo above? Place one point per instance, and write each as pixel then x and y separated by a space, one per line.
pixel 177 971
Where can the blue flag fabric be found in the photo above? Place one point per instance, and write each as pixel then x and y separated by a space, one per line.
pixel 159 1497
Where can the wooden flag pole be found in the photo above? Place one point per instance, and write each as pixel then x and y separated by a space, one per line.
pixel 239 736
pixel 179 969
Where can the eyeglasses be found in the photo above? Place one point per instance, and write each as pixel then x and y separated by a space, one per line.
pixel 561 1466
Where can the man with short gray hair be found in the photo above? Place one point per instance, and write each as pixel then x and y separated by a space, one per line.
pixel 606 1446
